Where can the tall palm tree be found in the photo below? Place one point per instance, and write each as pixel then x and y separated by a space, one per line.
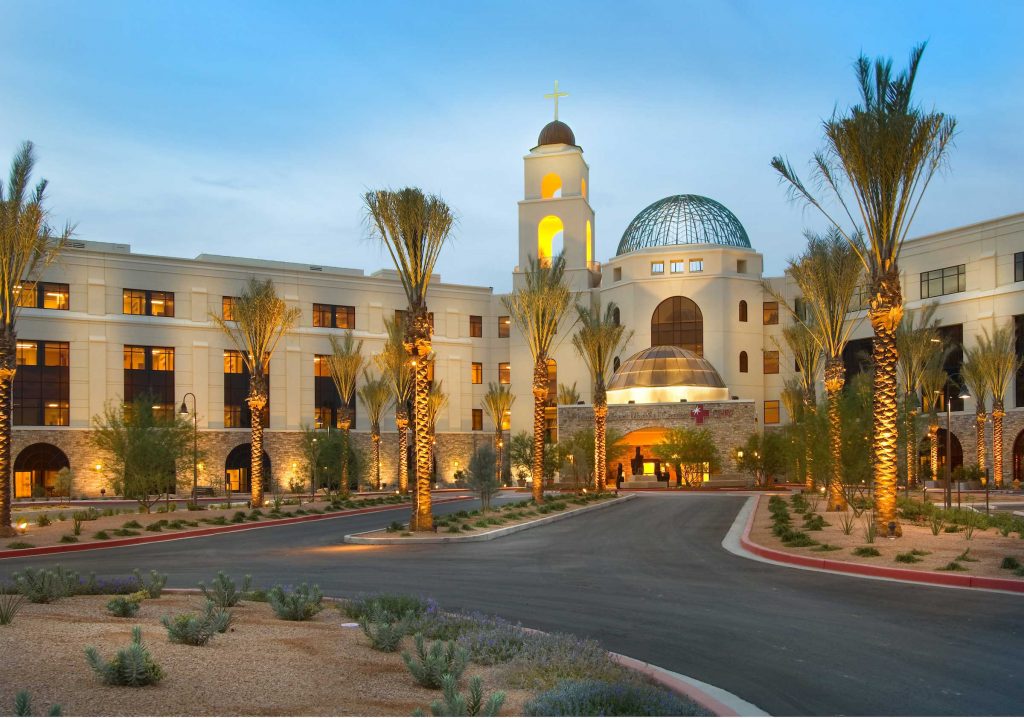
pixel 598 339
pixel 916 337
pixel 975 378
pixel 933 383
pixel 437 400
pixel 375 393
pixel 537 308
pixel 260 320
pixel 1001 363
pixel 27 245
pixel 884 151
pixel 414 226
pixel 345 362
pixel 497 402
pixel 393 362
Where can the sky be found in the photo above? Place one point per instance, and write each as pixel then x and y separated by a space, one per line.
pixel 252 128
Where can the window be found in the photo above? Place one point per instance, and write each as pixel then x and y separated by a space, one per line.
pixel 504 373
pixel 503 327
pixel 227 308
pixel 236 391
pixel 677 266
pixel 743 310
pixel 741 266
pixel 148 303
pixel 771 362
pixel 41 295
pixel 1018 267
pixel 801 310
pixel 948 280
pixel 326 400
pixel 42 392
pixel 744 363
pixel 657 267
pixel 617 274
pixel 678 321
pixel 616 316
pixel 771 411
pixel 861 299
pixel 149 371
pixel 334 316
pixel 478 419
pixel 771 313
pixel 476 326
pixel 615 364
pixel 401 316
pixel 696 265
pixel 477 373
pixel 1018 325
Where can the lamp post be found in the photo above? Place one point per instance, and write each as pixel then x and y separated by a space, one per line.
pixel 195 440
pixel 949 446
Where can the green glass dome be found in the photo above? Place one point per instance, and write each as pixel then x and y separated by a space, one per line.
pixel 683 219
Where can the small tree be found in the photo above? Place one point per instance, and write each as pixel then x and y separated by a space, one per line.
pixel 762 456
pixel 692 452
pixel 520 455
pixel 480 477
pixel 65 479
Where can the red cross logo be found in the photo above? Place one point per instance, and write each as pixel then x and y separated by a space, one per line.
pixel 700 413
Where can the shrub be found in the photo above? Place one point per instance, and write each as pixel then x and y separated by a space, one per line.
pixel 453 529
pixel 870 530
pixel 133 524
pixel 156 526
pixel 800 540
pixel 548 659
pixel 20 544
pixel 384 631
pixel 1010 563
pixel 602 698
pixel 471 704
pixel 101 536
pixel 395 605
pixel 23 705
pixel 846 522
pixel 866 551
pixel 125 532
pixel 10 604
pixel 45 586
pixel 154 587
pixel 223 592
pixel 951 529
pixel 826 547
pixel 43 520
pixel 124 606
pixel 492 640
pixel 936 522
pixel 907 557
pixel 76 523
pixel 951 566
pixel 68 538
pixel 395 527
pixel 815 523
pixel 193 629
pixel 430 665
pixel 299 605
pixel 132 666
pixel 919 552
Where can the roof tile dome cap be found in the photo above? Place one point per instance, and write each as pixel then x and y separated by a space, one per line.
pixel 556 133
pixel 683 219
pixel 662 366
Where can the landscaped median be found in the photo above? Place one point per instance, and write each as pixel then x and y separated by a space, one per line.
pixel 497 522
pixel 951 548
pixel 128 646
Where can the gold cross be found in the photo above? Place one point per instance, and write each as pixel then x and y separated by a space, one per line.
pixel 554 96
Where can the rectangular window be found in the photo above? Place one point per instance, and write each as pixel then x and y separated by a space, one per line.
pixel 161 304
pixel 134 301
pixel 771 313
pixel 233 363
pixel 1018 267
pixel 476 326
pixel 237 414
pixel 771 411
pixel 504 323
pixel 1018 324
pixel 861 299
pixel 771 362
pixel 42 384
pixel 149 371
pixel 504 373
pixel 227 308
pixel 54 296
pixel 657 267
pixel 344 317
pixel 26 295
pixel 478 373
pixel 334 316
pixel 326 399
pixel 148 303
pixel 677 266
pixel 478 419
pixel 948 280
pixel 696 265
pixel 617 274
pixel 741 266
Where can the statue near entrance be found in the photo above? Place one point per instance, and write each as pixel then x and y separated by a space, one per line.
pixel 637 463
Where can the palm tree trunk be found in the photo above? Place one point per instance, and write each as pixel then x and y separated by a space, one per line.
pixel 600 445
pixel 257 401
pixel 809 403
pixel 344 423
pixel 499 452
pixel 885 313
pixel 402 422
pixel 540 396
pixel 979 430
pixel 375 456
pixel 8 366
pixel 911 449
pixel 835 377
pixel 997 443
pixel 423 518
pixel 933 450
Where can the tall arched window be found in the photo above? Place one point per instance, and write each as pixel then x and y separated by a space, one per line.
pixel 549 237
pixel 678 321
pixel 743 363
pixel 550 186
pixel 616 362
pixel 743 310
pixel 616 316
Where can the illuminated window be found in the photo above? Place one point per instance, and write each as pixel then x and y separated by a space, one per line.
pixel 476 326
pixel 163 359
pixel 657 267
pixel 237 413
pixel 549 237
pixel 744 364
pixel 134 301
pixel 26 295
pixel 503 327
pixel 228 305
pixel 320 366
pixel 148 302
pixel 27 353
pixel 233 362
pixel 743 310
pixel 938 282
pixel 42 384
pixel 770 313
pixel 678 321
pixel 771 412
pixel 590 244
pixel 504 373
pixel 550 186
pixel 478 419
pixel 583 187
pixel 477 373
pixel 696 265
pixel 771 362
pixel 149 371
pixel 677 266
pixel 334 316
pixel 54 296
pixel 326 399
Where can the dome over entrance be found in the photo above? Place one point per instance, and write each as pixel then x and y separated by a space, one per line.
pixel 683 219
pixel 666 374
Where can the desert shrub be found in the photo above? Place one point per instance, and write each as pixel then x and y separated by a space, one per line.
pixel 20 544
pixel 1010 563
pixel 952 566
pixel 68 538
pixel 156 526
pixel 437 625
pixel 471 704
pixel 10 604
pixel 133 524
pixel 125 532
pixel 951 529
pixel 970 525
pixel 384 630
pixel 176 524
pixel 395 527
pixel 154 586
pixel 44 585
pixel 866 551
pixel 919 552
pixel 394 605
pixel 223 592
pixel 131 666
pixel 870 529
pixel 936 523
pixel 603 698
pixel 429 665
pixel 825 547
pixel 548 659
pixel 800 540
pixel 43 520
pixel 492 640
pixel 101 536
pixel 238 518
pixel 907 557
pixel 76 523
pixel 815 523
pixel 124 606
pixel 194 629
pixel 300 604
pixel 453 529
pixel 23 706
pixel 846 522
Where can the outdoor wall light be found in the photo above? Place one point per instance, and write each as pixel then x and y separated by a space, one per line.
pixel 99 467
pixel 23 527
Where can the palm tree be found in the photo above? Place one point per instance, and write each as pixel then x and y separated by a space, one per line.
pixel 885 151
pixel 498 403
pixel 393 362
pixel 1001 363
pixel 27 245
pixel 413 227
pixel 933 384
pixel 597 341
pixel 376 396
pixel 260 320
pixel 345 362
pixel 568 395
pixel 916 337
pixel 807 355
pixel 537 308
pixel 975 378
pixel 437 400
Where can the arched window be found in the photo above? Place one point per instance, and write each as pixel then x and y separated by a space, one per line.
pixel 550 186
pixel 590 244
pixel 616 362
pixel 583 187
pixel 678 321
pixel 616 316
pixel 743 362
pixel 238 469
pixel 743 310
pixel 36 468
pixel 549 237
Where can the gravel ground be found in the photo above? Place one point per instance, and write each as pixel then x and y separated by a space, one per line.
pixel 262 666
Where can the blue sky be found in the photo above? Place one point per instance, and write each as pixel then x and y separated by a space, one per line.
pixel 251 128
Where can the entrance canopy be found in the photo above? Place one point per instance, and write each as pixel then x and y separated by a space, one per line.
pixel 665 374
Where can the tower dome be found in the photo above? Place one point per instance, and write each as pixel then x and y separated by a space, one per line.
pixel 683 219
pixel 556 133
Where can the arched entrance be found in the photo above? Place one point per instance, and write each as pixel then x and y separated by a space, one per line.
pixel 955 449
pixel 1018 457
pixel 35 470
pixel 633 457
pixel 238 469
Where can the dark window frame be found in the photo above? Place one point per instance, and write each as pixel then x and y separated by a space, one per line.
pixel 678 321
pixel 158 383
pixel 936 282
pixel 504 326
pixel 478 419
pixel 476 326
pixel 769 313
pixel 336 316
pixel 146 297
pixel 41 394
pixel 771 361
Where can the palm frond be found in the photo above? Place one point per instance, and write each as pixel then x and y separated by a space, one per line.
pixel 261 318
pixel 538 306
pixel 498 402
pixel 376 396
pixel 597 340
pixel 345 362
pixel 394 364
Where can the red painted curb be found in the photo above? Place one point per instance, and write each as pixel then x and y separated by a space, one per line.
pixel 674 684
pixel 902 574
pixel 197 533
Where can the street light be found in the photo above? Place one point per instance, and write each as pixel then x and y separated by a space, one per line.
pixel 964 394
pixel 195 439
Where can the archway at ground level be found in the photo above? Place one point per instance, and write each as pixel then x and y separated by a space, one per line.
pixel 924 461
pixel 238 469
pixel 634 456
pixel 1018 457
pixel 36 468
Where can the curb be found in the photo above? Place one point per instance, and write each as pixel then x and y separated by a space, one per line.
pixel 859 569
pixel 199 533
pixel 359 538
